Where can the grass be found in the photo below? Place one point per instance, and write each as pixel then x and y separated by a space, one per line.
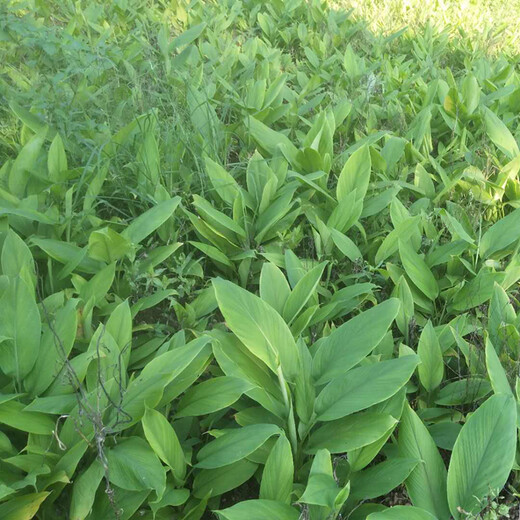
pixel 258 260
pixel 493 25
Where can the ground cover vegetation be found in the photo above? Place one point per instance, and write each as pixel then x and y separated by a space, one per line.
pixel 257 262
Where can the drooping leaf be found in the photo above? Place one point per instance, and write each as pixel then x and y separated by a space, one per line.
pixel 234 445
pixel 135 467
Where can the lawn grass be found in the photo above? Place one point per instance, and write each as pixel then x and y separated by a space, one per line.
pixel 494 25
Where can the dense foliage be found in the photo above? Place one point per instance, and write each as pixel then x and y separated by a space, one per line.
pixel 256 263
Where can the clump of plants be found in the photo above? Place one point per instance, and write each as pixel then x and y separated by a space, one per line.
pixel 255 262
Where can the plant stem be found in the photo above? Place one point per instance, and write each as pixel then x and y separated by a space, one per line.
pixel 290 414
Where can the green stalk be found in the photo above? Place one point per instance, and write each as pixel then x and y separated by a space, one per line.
pixel 290 414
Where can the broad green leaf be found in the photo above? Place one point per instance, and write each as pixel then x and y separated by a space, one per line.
pixel 53 404
pixel 119 325
pixel 23 507
pixel 455 227
pixel 135 467
pixel 57 160
pixel 217 219
pixel 21 328
pixel 274 288
pixel 350 433
pixel 187 36
pixel 445 434
pixel 163 440
pixel 302 292
pixel 236 360
pixel 501 234
pixel 107 245
pixel 223 182
pixel 346 213
pixel 363 387
pixel 218 481
pixel 431 369
pixel 321 489
pixel 147 388
pixel 403 229
pixel 380 479
pixel 346 346
pixel 212 395
pixel 17 259
pixel 68 253
pixel 406 309
pixel 93 291
pixel 401 513
pixel 12 414
pixel 500 313
pixel 150 220
pixel 345 245
pixel 355 175
pixel 172 497
pixel 463 391
pixel 203 115
pixel 259 510
pixel 260 328
pixel 424 182
pixel 471 93
pixel 477 291
pixel 426 484
pixel 56 344
pixel 278 474
pixel 31 120
pixel 24 164
pixel 212 252
pixel 234 445
pixel 84 491
pixel 496 372
pixel 483 455
pixel 272 141
pixel 499 134
pixel 417 270
pixel 259 178
pixel 104 508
